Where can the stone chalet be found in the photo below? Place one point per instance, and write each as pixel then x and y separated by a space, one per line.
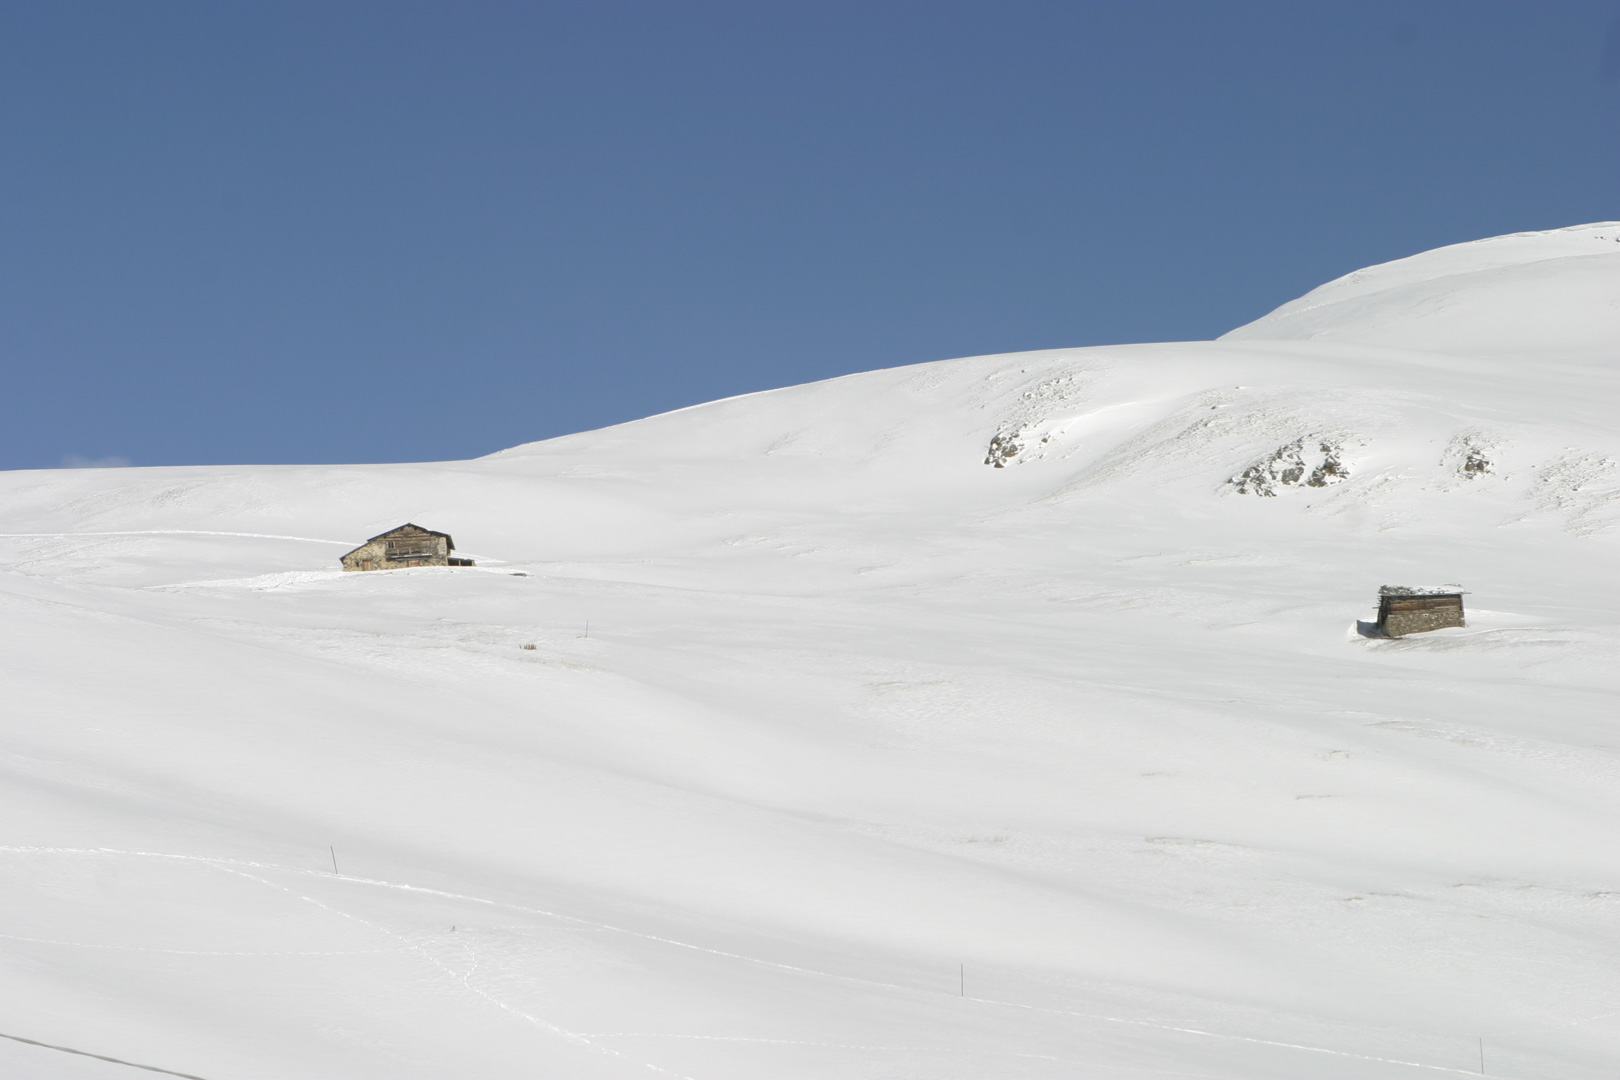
pixel 408 545
pixel 1406 610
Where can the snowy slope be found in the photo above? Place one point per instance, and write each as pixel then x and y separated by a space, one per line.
pixel 1530 295
pixel 876 759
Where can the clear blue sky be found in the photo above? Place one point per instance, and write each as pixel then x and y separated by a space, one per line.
pixel 299 232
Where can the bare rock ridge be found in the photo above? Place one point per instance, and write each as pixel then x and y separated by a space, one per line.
pixel 1312 463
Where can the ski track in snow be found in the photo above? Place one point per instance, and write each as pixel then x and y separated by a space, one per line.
pixel 100 1057
pixel 234 866
pixel 190 952
pixel 464 980
pixel 170 532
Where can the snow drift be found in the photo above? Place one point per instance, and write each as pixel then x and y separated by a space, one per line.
pixel 994 717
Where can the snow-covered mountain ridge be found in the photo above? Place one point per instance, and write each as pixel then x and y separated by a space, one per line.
pixel 1534 293
pixel 998 716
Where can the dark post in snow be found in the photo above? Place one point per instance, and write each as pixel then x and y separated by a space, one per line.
pixel 333 850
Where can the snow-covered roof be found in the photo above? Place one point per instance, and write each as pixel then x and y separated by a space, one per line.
pixel 1420 590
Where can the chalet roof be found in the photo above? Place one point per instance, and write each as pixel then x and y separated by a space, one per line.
pixel 1420 590
pixel 412 529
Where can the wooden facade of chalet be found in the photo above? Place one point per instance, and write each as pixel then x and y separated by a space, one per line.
pixel 408 545
pixel 1403 610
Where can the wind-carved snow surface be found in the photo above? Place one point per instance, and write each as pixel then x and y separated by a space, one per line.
pixel 810 745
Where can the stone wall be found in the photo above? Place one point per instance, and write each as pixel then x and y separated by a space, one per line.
pixel 1402 615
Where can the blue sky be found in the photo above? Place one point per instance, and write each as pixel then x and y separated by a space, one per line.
pixel 327 232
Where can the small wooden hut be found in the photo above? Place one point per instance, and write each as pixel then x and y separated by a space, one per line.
pixel 1403 609
pixel 408 545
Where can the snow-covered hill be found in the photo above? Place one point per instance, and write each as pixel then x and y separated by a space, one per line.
pixel 995 717
pixel 1531 295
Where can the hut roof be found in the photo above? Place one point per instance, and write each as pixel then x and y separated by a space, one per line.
pixel 411 527
pixel 1420 590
